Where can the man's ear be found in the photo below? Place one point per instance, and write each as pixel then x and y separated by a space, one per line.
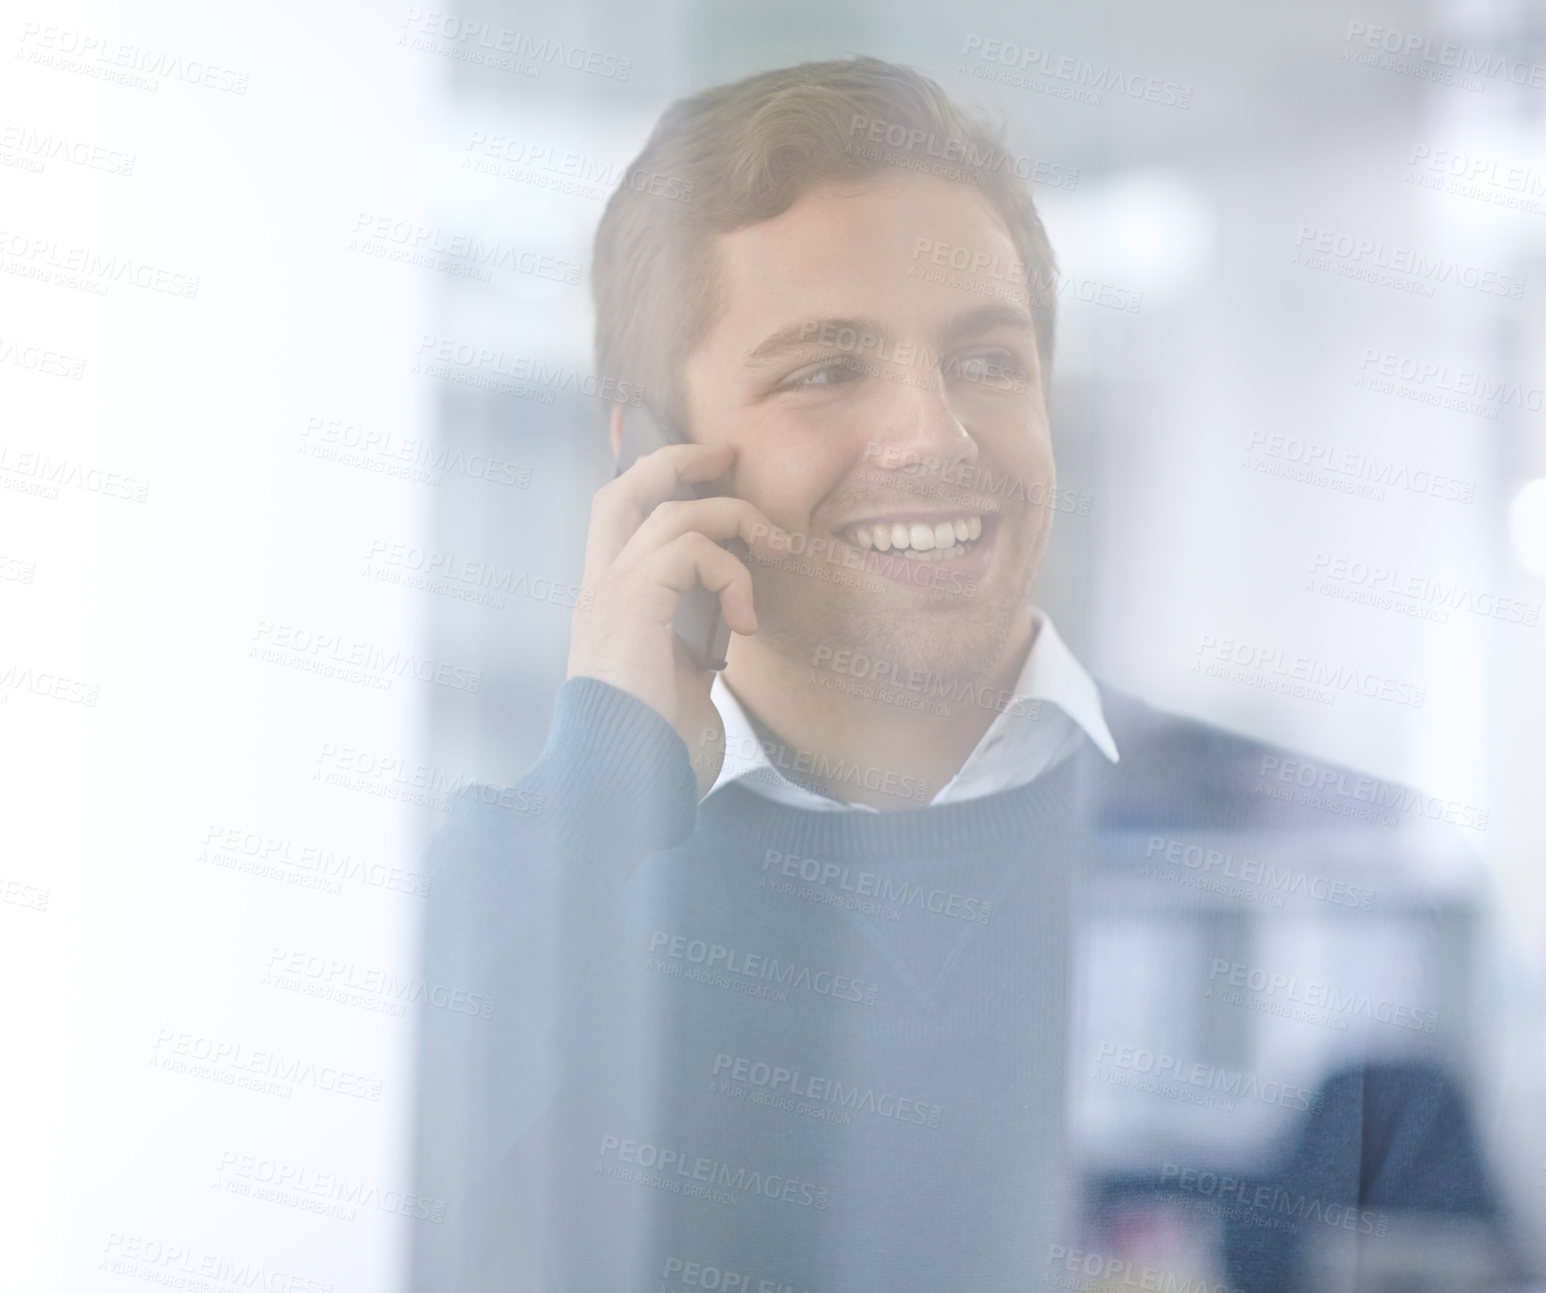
pixel 617 431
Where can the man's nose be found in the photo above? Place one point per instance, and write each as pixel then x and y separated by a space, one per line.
pixel 914 424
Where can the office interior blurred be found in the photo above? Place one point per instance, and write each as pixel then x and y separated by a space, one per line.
pixel 328 401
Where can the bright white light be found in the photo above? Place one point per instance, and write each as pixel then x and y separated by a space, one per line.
pixel 1150 231
pixel 1527 526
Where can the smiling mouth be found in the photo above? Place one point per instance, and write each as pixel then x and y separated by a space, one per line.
pixel 932 540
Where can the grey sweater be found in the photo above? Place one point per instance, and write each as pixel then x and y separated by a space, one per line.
pixel 743 1046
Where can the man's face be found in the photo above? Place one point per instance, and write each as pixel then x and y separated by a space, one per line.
pixel 882 404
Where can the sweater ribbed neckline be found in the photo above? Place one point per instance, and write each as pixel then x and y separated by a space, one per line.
pixel 1020 814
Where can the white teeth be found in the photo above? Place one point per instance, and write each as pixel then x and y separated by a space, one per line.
pixel 937 554
pixel 939 541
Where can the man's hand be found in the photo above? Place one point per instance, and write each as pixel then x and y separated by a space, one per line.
pixel 644 550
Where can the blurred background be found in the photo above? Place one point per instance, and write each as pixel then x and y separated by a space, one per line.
pixel 300 426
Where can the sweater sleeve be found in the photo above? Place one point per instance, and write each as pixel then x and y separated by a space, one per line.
pixel 525 898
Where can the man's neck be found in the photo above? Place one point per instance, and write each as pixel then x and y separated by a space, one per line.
pixel 889 743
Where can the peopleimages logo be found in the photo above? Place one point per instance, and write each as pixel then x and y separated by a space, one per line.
pixel 332 1194
pixel 954 691
pixel 432 247
pixel 39 359
pixel 1483 179
pixel 1352 791
pixel 836 552
pixel 564 170
pixel 404 457
pixel 716 1279
pixel 875 884
pixel 720 960
pixel 1359 257
pixel 832 1094
pixel 279 857
pixel 1223 864
pixel 1423 596
pixel 1119 1272
pixel 1015 65
pixel 1349 471
pixel 106 58
pixel 34 149
pixel 671 1163
pixel 392 777
pixel 977 270
pixel 16 678
pixel 489 361
pixel 334 656
pixel 471 41
pixel 186 1266
pixel 1271 1199
pixel 29 897
pixel 972 481
pixel 1289 989
pixel 808 765
pixel 32 472
pixel 33 256
pixel 1193 1081
pixel 1429 381
pixel 476 581
pixel 1418 55
pixel 333 978
pixel 914 140
pixel 1274 669
pixel 272 1072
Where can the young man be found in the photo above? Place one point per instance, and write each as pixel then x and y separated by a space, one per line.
pixel 793 965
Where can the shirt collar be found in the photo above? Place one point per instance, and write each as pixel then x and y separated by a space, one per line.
pixel 1053 674
pixel 1053 697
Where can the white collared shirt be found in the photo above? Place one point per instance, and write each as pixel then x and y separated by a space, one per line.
pixel 1054 707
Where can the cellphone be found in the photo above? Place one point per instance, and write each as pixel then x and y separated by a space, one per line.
pixel 698 622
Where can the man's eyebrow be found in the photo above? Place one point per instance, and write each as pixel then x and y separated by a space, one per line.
pixel 808 333
pixel 986 318
pixel 864 334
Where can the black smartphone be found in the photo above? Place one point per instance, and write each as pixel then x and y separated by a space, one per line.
pixel 698 621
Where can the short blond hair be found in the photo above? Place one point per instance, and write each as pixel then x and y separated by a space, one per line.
pixel 741 153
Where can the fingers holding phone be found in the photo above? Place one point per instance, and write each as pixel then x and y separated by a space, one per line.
pixel 648 549
pixel 643 483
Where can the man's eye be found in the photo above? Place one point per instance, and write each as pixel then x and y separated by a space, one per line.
pixel 998 368
pixel 833 372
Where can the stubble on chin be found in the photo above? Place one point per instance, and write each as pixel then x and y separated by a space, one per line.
pixel 959 637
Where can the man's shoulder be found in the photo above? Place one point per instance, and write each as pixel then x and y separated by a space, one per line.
pixel 1178 772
